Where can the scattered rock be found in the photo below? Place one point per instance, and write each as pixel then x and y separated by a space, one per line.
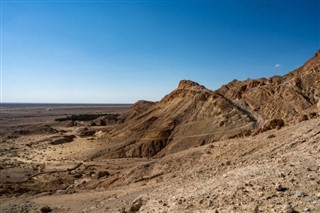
pixel 280 188
pixel 300 194
pixel 102 122
pixel 102 174
pixel 85 132
pixel 274 124
pixel 136 205
pixel 81 182
pixel 46 209
pixel 92 124
pixel 271 136
pixel 256 209
pixel 303 118
pixel 312 115
pixel 306 209
pixel 62 139
pixel 123 210
pixel 78 175
pixel 287 208
pixel 71 124
pixel 88 133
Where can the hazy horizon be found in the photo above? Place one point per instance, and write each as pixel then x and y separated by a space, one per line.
pixel 63 103
pixel 102 52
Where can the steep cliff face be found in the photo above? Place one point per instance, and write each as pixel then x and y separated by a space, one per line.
pixel 193 115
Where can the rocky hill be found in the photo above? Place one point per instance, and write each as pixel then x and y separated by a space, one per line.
pixel 193 115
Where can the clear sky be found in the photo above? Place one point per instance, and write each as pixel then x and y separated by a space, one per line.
pixel 123 51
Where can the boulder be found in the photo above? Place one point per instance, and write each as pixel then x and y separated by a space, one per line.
pixel 62 139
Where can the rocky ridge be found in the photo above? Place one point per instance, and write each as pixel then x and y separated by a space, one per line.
pixel 193 115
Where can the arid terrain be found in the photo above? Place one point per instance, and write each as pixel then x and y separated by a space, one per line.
pixel 250 146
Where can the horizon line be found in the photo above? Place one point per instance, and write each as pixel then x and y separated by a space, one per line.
pixel 67 103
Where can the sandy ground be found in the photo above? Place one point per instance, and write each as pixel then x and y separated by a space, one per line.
pixel 276 171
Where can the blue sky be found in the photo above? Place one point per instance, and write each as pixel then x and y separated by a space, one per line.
pixel 123 51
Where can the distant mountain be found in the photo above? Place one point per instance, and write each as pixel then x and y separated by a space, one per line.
pixel 193 115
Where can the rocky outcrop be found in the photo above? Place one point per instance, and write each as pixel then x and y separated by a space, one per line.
pixel 286 97
pixel 187 84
